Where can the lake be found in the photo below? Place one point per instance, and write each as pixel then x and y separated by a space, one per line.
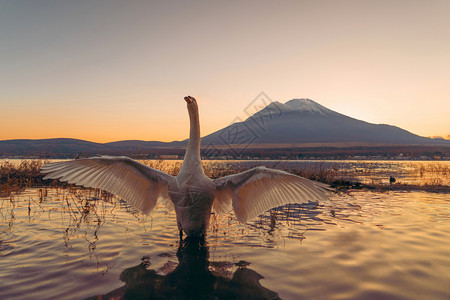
pixel 75 244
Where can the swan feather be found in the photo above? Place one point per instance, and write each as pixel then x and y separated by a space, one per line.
pixel 138 184
pixel 254 191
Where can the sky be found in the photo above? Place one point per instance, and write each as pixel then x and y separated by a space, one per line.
pixel 108 70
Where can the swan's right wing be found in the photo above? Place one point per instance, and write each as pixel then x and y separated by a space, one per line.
pixel 134 182
pixel 254 191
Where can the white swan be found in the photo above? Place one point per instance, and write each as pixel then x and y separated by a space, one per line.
pixel 191 192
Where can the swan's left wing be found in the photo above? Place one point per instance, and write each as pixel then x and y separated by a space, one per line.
pixel 256 190
pixel 134 182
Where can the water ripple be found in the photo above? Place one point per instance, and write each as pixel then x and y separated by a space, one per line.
pixel 357 245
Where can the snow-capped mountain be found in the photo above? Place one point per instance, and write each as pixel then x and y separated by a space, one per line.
pixel 306 121
pixel 304 105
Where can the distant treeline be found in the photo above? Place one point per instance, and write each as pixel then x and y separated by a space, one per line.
pixel 354 152
pixel 376 152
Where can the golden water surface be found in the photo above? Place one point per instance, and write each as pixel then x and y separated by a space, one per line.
pixel 71 244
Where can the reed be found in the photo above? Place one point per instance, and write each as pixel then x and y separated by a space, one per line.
pixel 434 173
pixel 17 176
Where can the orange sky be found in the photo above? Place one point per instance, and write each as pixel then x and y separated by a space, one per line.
pixel 106 71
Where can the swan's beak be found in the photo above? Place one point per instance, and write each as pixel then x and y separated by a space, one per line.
pixel 189 99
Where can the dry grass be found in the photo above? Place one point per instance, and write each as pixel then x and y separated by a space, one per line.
pixel 434 174
pixel 15 177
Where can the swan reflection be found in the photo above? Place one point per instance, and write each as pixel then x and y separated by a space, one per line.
pixel 190 279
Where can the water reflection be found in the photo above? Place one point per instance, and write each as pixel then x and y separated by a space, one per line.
pixel 190 279
pixel 71 244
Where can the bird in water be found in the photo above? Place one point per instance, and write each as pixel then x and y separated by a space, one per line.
pixel 191 192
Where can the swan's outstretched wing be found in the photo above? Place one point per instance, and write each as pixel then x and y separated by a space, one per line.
pixel 254 191
pixel 134 182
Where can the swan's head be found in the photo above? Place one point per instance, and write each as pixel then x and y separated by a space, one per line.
pixel 191 104
pixel 190 99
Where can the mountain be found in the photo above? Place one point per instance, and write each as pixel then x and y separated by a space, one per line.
pixel 68 148
pixel 305 121
pixel 296 123
pixel 60 146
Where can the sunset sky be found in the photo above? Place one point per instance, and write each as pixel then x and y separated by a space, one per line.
pixel 113 70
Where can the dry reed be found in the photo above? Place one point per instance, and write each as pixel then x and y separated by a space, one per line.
pixel 15 177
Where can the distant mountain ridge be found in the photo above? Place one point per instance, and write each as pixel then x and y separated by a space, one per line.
pixel 298 121
pixel 67 147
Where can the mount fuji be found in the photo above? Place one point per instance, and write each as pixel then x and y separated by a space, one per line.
pixel 305 121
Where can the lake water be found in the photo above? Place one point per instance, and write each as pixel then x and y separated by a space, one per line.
pixel 357 245
pixel 70 244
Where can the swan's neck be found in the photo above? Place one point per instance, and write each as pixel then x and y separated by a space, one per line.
pixel 192 160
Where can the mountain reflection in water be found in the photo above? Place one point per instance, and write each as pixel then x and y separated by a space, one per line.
pixel 190 279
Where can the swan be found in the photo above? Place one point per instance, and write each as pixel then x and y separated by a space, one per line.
pixel 191 193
